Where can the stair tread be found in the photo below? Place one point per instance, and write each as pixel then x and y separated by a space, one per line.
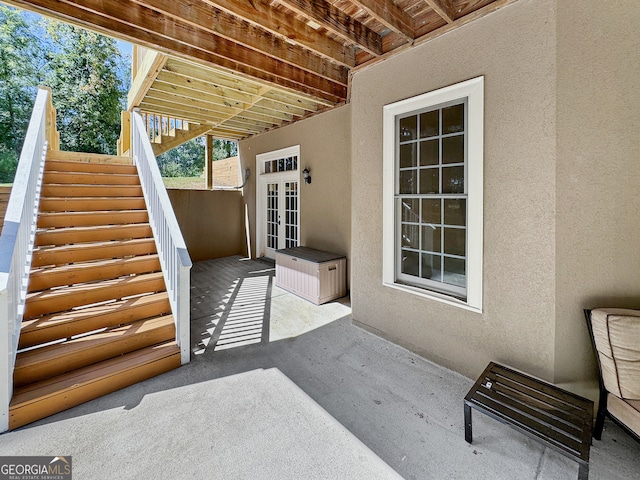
pixel 92 218
pixel 42 278
pixel 73 322
pixel 89 251
pixel 84 234
pixel 91 178
pixel 65 298
pixel 77 289
pixel 92 373
pixel 69 348
pixel 52 270
pixel 90 204
pixel 90 228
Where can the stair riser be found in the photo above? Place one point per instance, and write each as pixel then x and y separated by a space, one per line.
pixel 61 237
pixel 59 220
pixel 90 204
pixel 86 253
pixel 50 329
pixel 75 178
pixel 91 191
pixel 123 340
pixel 21 414
pixel 46 303
pixel 137 265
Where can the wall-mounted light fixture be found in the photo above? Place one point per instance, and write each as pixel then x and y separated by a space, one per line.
pixel 306 175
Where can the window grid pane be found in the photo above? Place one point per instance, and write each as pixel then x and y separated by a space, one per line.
pixel 431 190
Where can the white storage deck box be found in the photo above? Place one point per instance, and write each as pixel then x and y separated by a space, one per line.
pixel 312 274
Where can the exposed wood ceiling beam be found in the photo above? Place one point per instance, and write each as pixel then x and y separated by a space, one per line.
pixel 336 21
pixel 149 28
pixel 444 8
pixel 147 73
pixel 390 15
pixel 261 14
pixel 204 17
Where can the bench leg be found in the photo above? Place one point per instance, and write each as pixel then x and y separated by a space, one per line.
pixel 468 431
pixel 583 471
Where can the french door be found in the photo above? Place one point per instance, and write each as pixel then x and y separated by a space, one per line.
pixel 281 212
pixel 278 201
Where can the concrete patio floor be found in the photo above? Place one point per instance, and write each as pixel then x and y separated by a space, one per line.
pixel 281 389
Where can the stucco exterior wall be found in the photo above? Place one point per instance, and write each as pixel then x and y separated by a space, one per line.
pixel 514 49
pixel 212 222
pixel 598 172
pixel 325 148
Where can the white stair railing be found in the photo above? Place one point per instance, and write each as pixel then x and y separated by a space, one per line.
pixel 174 258
pixel 16 245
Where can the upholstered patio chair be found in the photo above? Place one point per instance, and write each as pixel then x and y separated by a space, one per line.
pixel 615 333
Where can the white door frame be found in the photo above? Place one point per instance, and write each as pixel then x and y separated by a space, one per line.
pixel 261 191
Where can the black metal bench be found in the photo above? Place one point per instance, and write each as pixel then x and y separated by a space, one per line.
pixel 557 418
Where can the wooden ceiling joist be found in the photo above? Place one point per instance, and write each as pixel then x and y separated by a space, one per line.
pixel 261 14
pixel 333 19
pixel 390 15
pixel 223 26
pixel 444 8
pixel 242 67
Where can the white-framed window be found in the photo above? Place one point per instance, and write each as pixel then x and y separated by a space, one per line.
pixel 432 188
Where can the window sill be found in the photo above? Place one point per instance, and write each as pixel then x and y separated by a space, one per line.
pixel 432 296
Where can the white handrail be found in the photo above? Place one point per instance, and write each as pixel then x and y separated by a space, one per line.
pixel 174 258
pixel 16 246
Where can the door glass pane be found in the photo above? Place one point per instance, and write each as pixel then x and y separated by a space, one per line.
pixel 291 214
pixel 272 215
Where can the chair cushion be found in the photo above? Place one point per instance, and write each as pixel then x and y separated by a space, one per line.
pixel 626 411
pixel 617 337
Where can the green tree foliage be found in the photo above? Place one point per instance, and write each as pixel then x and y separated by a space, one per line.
pixel 19 76
pixel 87 91
pixel 187 160
pixel 85 70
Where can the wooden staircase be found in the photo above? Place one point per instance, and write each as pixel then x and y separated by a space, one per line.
pixel 97 316
pixel 4 200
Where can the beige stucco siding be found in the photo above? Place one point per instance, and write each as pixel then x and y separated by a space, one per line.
pixel 598 171
pixel 325 148
pixel 212 222
pixel 515 50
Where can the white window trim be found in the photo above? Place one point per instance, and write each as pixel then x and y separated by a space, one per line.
pixel 261 182
pixel 473 90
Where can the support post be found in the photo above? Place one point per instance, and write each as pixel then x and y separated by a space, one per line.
pixel 208 162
